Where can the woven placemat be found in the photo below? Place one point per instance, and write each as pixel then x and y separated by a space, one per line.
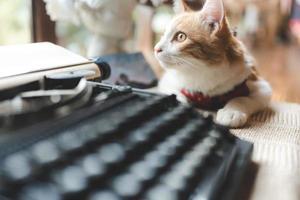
pixel 275 171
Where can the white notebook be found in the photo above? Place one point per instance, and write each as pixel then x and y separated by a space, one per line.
pixel 23 63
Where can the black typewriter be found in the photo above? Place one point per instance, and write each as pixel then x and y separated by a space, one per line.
pixel 66 138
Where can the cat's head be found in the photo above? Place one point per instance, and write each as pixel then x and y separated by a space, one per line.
pixel 198 38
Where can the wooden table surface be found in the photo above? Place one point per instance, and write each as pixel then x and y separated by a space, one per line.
pixel 280 65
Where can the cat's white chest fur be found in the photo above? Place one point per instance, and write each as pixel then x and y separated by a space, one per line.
pixel 207 80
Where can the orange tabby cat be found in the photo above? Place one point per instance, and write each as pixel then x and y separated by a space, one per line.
pixel 206 65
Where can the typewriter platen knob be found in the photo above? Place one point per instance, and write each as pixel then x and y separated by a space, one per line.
pixel 104 68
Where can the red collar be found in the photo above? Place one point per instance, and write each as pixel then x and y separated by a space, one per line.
pixel 214 103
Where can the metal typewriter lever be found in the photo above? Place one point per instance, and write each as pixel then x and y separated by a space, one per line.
pixel 34 101
pixel 62 93
pixel 121 88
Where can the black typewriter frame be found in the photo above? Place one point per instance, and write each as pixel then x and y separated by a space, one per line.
pixel 24 138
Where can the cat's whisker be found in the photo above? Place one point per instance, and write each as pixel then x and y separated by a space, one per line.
pixel 186 63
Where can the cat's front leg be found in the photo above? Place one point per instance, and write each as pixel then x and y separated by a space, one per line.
pixel 237 111
pixel 232 116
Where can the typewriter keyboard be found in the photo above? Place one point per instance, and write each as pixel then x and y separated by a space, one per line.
pixel 125 146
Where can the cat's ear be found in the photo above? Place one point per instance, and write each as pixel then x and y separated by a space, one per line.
pixel 214 13
pixel 181 6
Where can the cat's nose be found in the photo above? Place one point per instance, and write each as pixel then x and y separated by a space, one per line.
pixel 158 49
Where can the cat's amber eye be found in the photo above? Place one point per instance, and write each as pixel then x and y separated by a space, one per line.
pixel 180 37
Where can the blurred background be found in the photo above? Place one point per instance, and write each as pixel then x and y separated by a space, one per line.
pixel 269 28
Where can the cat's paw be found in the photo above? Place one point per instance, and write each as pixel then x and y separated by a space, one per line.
pixel 231 118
